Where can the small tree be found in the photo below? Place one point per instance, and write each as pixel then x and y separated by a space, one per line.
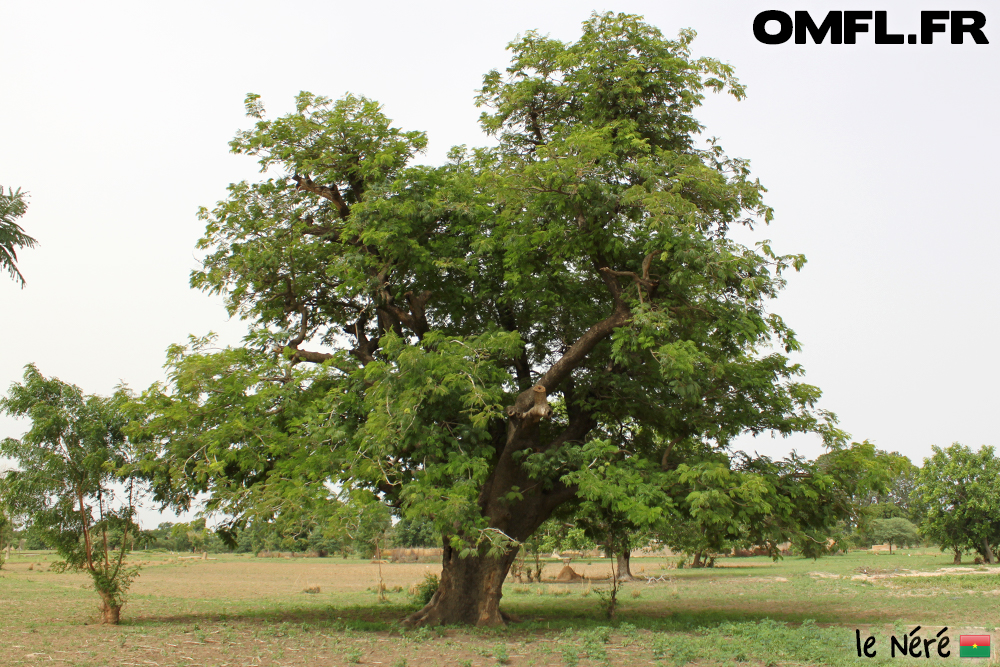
pixel 368 523
pixel 76 483
pixel 894 531
pixel 192 536
pixel 959 500
pixel 620 510
pixel 157 538
pixel 12 206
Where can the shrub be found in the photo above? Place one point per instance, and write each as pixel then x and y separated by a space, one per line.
pixel 425 590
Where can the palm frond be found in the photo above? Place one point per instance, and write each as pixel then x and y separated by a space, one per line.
pixel 13 205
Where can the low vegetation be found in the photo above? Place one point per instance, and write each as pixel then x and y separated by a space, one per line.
pixel 242 610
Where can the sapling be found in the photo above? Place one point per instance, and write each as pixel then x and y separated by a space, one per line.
pixel 77 481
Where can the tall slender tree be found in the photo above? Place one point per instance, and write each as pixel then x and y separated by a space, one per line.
pixel 76 483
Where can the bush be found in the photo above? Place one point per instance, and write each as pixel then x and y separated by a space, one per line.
pixel 425 590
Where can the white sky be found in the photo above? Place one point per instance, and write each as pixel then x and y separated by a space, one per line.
pixel 881 164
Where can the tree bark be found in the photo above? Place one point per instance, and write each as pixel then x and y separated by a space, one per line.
pixel 958 558
pixel 469 592
pixel 988 553
pixel 624 569
pixel 110 612
pixel 471 587
pixel 697 560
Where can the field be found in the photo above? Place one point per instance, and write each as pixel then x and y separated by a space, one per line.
pixel 238 610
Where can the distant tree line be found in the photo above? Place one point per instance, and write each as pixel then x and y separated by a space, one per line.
pixel 952 501
pixel 260 536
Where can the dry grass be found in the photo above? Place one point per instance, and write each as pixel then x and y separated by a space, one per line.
pixel 241 610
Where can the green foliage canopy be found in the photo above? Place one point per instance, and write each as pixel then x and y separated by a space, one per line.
pixel 480 342
pixel 735 500
pixel 959 498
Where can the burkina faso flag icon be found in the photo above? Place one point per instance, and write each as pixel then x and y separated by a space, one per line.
pixel 974 646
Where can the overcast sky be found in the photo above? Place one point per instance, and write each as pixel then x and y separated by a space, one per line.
pixel 881 163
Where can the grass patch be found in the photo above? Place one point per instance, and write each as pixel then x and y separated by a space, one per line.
pixel 243 610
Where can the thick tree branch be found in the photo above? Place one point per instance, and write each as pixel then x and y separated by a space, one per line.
pixel 330 192
pixel 387 319
pixel 391 492
pixel 664 461
pixel 578 351
pixel 522 371
pixel 365 348
pixel 415 319
pixel 307 355
pixel 303 329
pixel 560 494
pixel 647 260
pixel 418 316
pixel 643 282
pixel 575 431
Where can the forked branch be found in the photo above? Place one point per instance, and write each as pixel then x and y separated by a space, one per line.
pixel 330 192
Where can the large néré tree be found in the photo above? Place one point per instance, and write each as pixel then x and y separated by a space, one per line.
pixel 482 342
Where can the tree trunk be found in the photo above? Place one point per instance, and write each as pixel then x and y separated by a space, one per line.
pixel 988 553
pixel 958 558
pixel 469 592
pixel 110 613
pixel 624 571
pixel 470 589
